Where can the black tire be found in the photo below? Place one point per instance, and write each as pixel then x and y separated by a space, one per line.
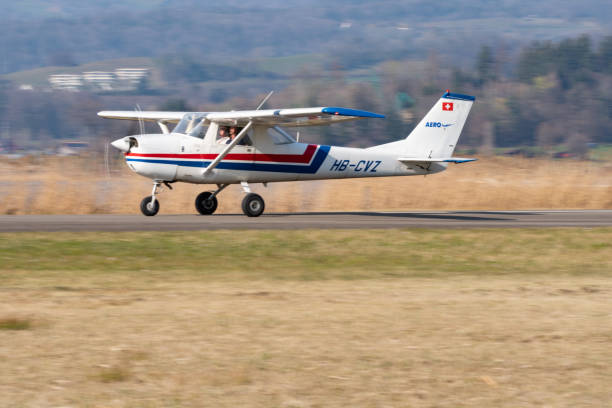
pixel 253 205
pixel 205 204
pixel 148 209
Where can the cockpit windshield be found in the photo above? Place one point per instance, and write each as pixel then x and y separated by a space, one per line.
pixel 200 129
pixel 189 123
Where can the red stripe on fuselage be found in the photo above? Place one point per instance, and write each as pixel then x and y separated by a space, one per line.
pixel 260 157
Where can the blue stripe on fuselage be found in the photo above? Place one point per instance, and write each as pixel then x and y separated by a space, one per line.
pixel 312 168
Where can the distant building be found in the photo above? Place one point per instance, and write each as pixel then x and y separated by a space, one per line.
pixel 66 82
pixel 132 75
pixel 100 79
pixel 123 79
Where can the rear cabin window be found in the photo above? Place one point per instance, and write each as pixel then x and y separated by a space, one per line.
pixel 279 136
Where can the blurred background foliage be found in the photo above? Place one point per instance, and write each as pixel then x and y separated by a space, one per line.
pixel 542 72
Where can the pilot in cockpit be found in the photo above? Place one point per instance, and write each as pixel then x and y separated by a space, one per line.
pixel 235 131
pixel 226 135
pixel 222 136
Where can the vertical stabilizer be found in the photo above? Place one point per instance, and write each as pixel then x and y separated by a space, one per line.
pixel 437 134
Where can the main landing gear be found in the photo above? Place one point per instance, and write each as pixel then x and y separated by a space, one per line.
pixel 253 205
pixel 206 202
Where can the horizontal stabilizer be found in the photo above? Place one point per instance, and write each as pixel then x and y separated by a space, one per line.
pixel 439 160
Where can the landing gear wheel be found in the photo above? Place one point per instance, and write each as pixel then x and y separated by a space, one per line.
pixel 253 205
pixel 149 209
pixel 206 203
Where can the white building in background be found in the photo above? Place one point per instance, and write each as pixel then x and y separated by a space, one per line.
pixel 122 79
pixel 66 82
pixel 100 79
pixel 133 76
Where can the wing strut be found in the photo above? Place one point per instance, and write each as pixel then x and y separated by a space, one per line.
pixel 236 140
pixel 229 147
pixel 261 104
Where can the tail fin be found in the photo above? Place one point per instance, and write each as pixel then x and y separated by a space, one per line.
pixel 437 134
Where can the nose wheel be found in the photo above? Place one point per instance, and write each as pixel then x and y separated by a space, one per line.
pixel 150 205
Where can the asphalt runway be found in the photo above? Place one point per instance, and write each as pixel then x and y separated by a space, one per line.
pixel 281 221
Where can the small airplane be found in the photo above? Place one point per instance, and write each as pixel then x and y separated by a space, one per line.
pixel 258 150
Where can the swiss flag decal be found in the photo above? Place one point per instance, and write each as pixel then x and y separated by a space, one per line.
pixel 447 106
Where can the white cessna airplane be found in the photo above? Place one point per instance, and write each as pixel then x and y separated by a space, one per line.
pixel 198 149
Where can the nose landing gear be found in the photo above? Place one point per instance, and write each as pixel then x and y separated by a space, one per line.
pixel 150 205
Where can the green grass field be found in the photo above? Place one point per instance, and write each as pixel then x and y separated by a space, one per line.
pixel 321 318
pixel 307 255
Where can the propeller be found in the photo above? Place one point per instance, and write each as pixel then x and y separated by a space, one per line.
pixel 126 143
pixel 140 121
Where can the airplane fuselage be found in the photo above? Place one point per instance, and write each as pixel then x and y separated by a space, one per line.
pixel 179 157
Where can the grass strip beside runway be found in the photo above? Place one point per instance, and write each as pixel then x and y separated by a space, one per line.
pixel 120 258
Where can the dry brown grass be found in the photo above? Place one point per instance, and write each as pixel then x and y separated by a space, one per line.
pixel 80 186
pixel 424 318
pixel 465 341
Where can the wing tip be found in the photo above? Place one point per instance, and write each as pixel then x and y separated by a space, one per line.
pixel 458 160
pixel 334 110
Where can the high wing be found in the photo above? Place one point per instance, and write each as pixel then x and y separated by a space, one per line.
pixel 291 117
pixel 150 116
pixel 272 117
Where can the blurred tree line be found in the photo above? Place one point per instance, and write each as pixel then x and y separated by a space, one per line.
pixel 545 95
pixel 558 93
